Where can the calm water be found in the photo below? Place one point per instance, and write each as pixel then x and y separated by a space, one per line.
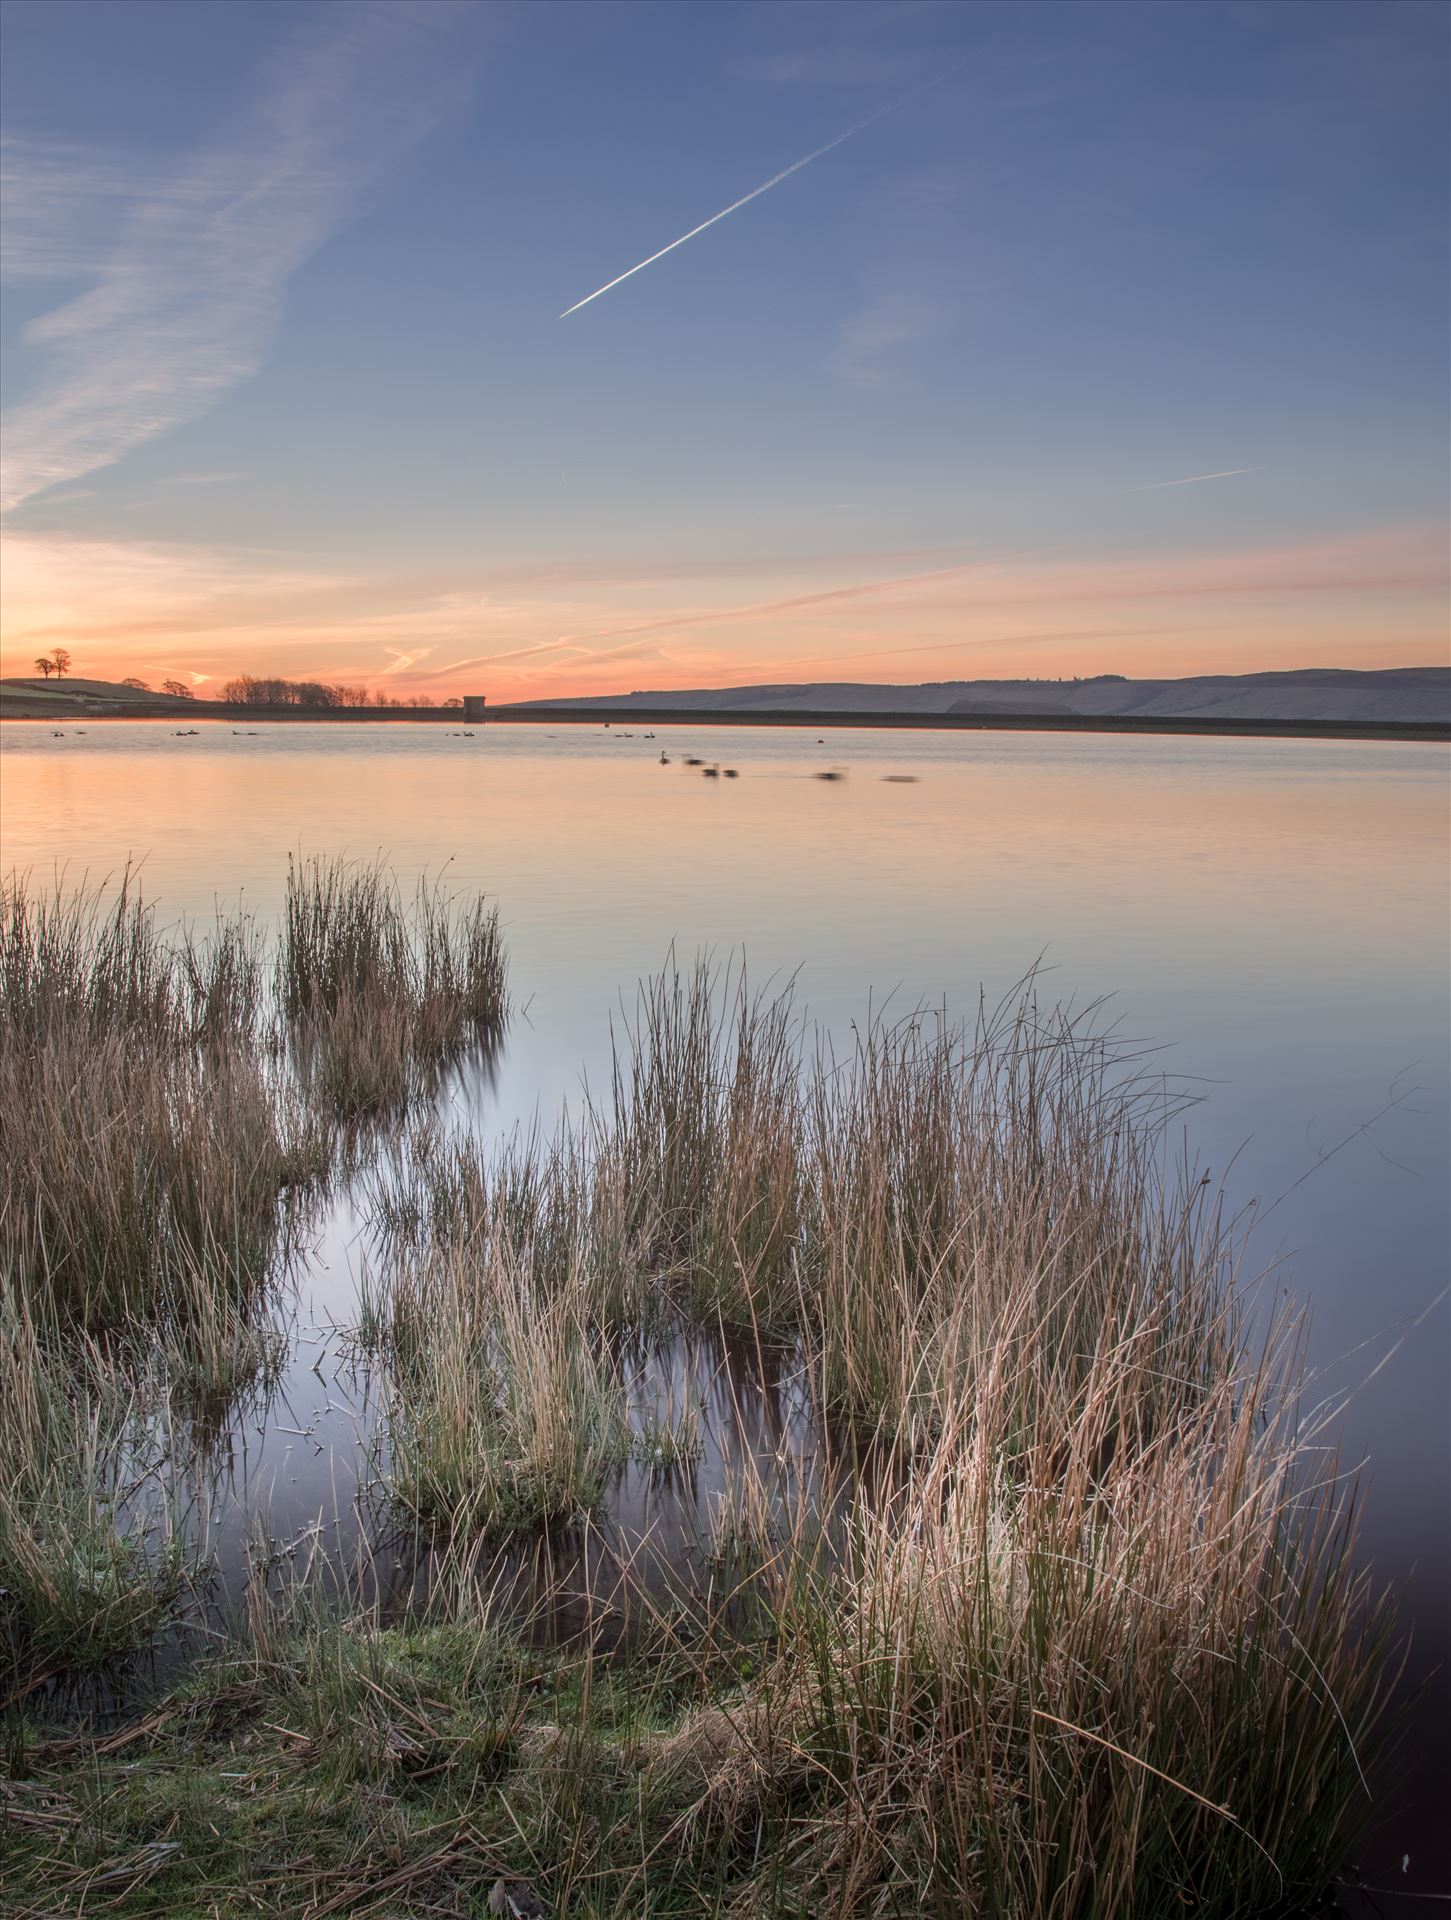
pixel 1274 914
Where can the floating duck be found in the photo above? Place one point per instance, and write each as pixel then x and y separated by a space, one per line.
pixel 712 773
pixel 665 759
pixel 730 773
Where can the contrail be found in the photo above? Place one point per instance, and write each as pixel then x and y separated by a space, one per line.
pixel 1193 480
pixel 766 186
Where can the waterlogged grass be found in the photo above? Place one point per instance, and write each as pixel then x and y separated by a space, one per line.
pixel 1060 1619
pixel 159 1144
pixel 93 1548
pixel 147 1131
pixel 135 1175
pixel 919 1217
pixel 900 1735
pixel 164 1093
pixel 503 1409
pixel 382 992
pixel 1085 1637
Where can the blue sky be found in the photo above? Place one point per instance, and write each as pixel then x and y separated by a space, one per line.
pixel 286 388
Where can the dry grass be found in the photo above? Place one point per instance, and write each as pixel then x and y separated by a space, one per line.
pixel 1087 1639
pixel 1079 1634
pixel 131 1174
pixel 147 1131
pixel 90 959
pixel 92 1549
pixel 382 993
pixel 505 1407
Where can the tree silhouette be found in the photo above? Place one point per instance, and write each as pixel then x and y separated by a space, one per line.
pixel 60 660
pixel 139 685
pixel 45 666
pixel 178 688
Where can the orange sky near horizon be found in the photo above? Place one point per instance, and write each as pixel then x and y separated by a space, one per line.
pixel 1372 599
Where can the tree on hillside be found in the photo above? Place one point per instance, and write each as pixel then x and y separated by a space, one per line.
pixel 139 685
pixel 60 660
pixel 45 666
pixel 178 688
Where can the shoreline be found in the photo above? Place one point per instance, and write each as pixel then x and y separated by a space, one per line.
pixel 995 723
pixel 1429 731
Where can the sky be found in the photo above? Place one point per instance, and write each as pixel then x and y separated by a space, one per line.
pixel 1088 338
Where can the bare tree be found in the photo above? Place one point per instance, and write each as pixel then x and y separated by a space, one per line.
pixel 60 660
pixel 45 666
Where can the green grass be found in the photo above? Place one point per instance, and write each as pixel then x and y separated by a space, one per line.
pixel 821 1768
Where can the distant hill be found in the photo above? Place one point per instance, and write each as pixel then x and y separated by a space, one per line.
pixel 1323 694
pixel 38 699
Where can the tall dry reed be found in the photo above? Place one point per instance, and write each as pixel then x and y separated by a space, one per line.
pixel 380 992
pixel 505 1407
pixel 147 1132
pixel 1087 1638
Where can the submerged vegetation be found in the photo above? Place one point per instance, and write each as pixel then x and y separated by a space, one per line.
pixel 1045 1605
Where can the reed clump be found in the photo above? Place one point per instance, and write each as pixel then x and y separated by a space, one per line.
pixel 147 1132
pixel 382 993
pixel 505 1408
pixel 131 1176
pixel 914 1215
pixel 1067 1623
pixel 90 959
pixel 1086 1636
pixel 1062 1685
pixel 92 1549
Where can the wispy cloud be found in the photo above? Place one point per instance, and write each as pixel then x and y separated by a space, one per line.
pixel 201 479
pixel 911 283
pixel 1359 598
pixel 766 186
pixel 401 660
pixel 872 339
pixel 189 266
pixel 1193 479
